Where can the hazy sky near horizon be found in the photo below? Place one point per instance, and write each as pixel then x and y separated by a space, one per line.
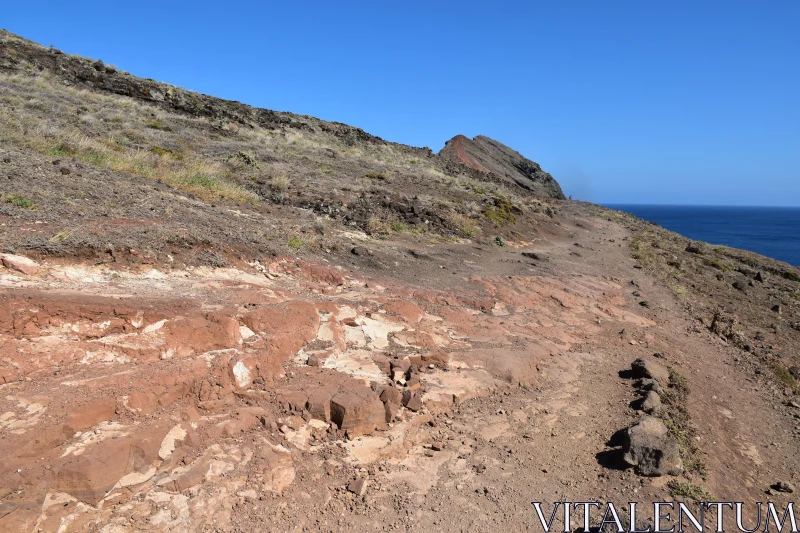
pixel 623 102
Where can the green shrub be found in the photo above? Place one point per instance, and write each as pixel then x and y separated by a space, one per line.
pixel 20 201
pixel 62 149
pixel 502 212
pixel 295 243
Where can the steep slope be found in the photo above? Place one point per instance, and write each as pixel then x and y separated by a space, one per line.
pixel 495 159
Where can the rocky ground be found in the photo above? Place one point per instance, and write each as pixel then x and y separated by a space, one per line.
pixel 173 359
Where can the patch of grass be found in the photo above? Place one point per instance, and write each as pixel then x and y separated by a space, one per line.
pixel 157 125
pixel 783 375
pixel 679 290
pixel 463 225
pixel 719 265
pixel 376 226
pixel 62 149
pixel 791 276
pixel 207 186
pixel 245 158
pixel 502 212
pixel 295 243
pixel 162 152
pixel 375 176
pixel 280 184
pixel 679 489
pixel 678 423
pixel 398 227
pixel 19 201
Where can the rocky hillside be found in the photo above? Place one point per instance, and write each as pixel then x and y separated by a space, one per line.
pixel 179 163
pixel 497 161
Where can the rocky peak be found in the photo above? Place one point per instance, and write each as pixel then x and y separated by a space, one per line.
pixel 497 160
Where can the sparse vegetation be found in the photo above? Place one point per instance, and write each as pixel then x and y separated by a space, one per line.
pixel 158 125
pixel 680 489
pixel 19 201
pixel 679 424
pixel 502 212
pixel 783 376
pixel 295 243
pixel 160 151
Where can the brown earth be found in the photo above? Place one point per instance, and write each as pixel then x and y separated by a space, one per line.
pixel 174 361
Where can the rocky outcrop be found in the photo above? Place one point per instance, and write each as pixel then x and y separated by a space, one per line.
pixel 496 160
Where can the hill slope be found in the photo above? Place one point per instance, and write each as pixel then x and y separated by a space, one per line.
pixel 88 145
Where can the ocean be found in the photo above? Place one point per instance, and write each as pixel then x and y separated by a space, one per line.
pixel 770 231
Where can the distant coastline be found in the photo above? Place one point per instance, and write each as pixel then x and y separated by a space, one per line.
pixel 769 231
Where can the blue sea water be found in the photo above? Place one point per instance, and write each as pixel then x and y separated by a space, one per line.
pixel 770 231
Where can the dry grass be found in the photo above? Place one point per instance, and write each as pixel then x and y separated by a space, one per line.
pixel 104 140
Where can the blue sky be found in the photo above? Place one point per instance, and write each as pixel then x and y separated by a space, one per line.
pixel 626 102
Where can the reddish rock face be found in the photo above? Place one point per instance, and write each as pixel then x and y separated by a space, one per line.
pixel 405 310
pixel 89 478
pixel 195 335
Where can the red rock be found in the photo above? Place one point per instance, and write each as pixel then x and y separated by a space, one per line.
pixel 88 415
pixel 20 264
pixel 319 403
pixel 196 335
pixel 322 274
pixel 357 411
pixel 392 399
pixel 405 310
pixel 192 477
pixel 294 400
pixel 90 476
pixel 142 402
pixel 412 400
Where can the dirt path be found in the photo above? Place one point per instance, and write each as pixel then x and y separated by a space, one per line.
pixel 202 382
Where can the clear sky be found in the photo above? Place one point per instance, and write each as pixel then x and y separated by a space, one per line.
pixel 628 102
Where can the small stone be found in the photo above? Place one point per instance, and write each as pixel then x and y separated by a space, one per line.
pixel 64 171
pixel 651 403
pixel 313 360
pixel 776 309
pixel 6 160
pixel 648 368
pixel 360 250
pixel 649 384
pixel 783 486
pixel 499 241
pixel 694 249
pixel 739 286
pixel 358 486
